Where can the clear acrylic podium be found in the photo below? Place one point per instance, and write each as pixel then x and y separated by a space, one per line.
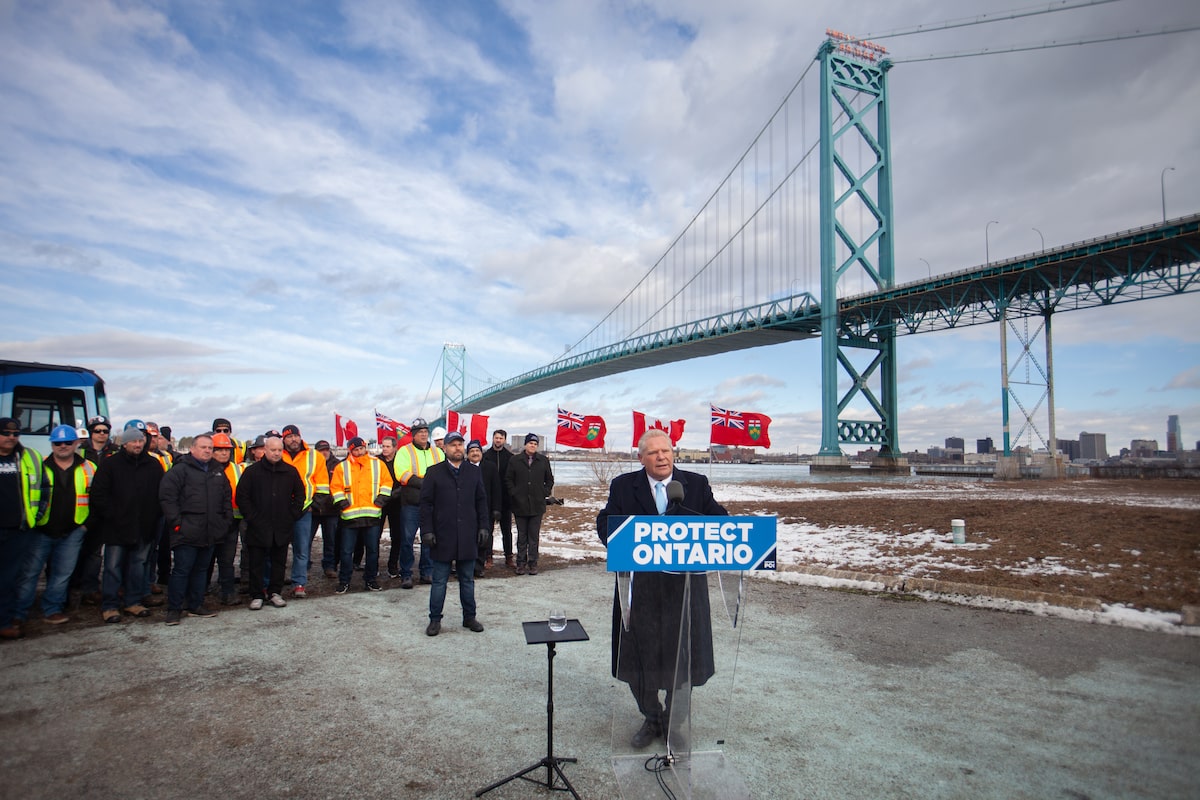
pixel 678 632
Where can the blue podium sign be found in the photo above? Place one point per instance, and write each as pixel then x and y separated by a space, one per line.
pixel 690 543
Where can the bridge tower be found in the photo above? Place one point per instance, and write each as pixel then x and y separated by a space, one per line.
pixel 454 376
pixel 856 245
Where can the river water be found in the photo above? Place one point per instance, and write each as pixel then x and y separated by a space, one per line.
pixel 579 473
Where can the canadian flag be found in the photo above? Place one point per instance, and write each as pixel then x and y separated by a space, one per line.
pixel 476 424
pixel 674 429
pixel 345 431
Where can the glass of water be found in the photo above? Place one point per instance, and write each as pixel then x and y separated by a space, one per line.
pixel 558 620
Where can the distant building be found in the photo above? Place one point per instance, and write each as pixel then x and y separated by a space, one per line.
pixel 1069 448
pixel 984 446
pixel 1174 434
pixel 1093 446
pixel 1143 448
pixel 956 443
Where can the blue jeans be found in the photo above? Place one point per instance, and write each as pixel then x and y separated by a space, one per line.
pixel 124 568
pixel 370 538
pixel 14 546
pixel 410 516
pixel 189 576
pixel 328 525
pixel 302 537
pixel 466 588
pixel 61 554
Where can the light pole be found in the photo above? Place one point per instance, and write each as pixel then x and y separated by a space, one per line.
pixel 927 267
pixel 1043 238
pixel 1162 184
pixel 987 247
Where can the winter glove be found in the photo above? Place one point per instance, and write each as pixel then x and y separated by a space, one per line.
pixel 381 500
pixel 342 504
pixel 414 482
pixel 481 537
pixel 428 540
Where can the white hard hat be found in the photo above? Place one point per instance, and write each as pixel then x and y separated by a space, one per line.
pixel 438 433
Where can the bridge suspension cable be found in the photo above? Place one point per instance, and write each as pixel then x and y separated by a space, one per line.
pixel 984 19
pixel 752 241
pixel 1018 48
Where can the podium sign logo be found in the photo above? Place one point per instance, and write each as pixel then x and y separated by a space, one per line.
pixel 690 544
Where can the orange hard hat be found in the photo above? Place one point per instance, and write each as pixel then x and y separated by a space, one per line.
pixel 222 440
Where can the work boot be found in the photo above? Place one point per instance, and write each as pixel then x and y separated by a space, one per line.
pixel 434 627
pixel 510 562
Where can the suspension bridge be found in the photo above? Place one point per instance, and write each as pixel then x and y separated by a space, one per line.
pixel 796 243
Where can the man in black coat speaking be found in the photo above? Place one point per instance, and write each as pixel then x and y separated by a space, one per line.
pixel 645 653
pixel 454 525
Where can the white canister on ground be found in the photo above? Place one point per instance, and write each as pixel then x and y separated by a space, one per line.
pixel 958 529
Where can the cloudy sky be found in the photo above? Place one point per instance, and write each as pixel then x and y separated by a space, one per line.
pixel 273 212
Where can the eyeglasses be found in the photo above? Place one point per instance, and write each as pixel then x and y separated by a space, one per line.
pixel 10 433
pixel 105 431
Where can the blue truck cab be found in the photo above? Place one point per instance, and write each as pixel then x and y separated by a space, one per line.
pixel 42 396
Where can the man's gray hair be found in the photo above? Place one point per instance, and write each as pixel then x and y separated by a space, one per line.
pixel 644 442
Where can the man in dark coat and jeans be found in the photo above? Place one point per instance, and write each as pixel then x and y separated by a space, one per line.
pixel 125 498
pixel 529 480
pixel 454 525
pixel 197 505
pixel 271 496
pixel 645 653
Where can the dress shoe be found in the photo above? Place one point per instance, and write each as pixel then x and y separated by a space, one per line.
pixel 473 624
pixel 434 627
pixel 650 730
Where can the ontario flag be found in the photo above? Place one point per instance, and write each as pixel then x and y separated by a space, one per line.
pixel 674 429
pixel 345 430
pixel 739 428
pixel 578 430
pixel 386 426
pixel 471 426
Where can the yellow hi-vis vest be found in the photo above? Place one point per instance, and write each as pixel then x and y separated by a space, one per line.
pixel 85 473
pixel 164 459
pixel 416 461
pixel 233 473
pixel 31 484
pixel 350 482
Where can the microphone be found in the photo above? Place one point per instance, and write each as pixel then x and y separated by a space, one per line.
pixel 675 500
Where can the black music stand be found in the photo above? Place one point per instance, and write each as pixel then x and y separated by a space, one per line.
pixel 540 633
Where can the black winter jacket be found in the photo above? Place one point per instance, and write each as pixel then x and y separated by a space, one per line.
pixel 197 503
pixel 125 497
pixel 528 484
pixel 271 498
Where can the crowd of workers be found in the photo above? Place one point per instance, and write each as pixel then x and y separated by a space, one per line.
pixel 131 524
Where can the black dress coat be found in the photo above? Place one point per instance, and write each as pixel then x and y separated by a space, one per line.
pixel 271 499
pixel 454 507
pixel 124 496
pixel 528 484
pixel 197 503
pixel 646 654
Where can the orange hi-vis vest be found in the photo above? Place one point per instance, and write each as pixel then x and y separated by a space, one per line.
pixel 311 466
pixel 360 481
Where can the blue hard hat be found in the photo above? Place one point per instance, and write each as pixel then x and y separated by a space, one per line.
pixel 64 433
pixel 135 423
